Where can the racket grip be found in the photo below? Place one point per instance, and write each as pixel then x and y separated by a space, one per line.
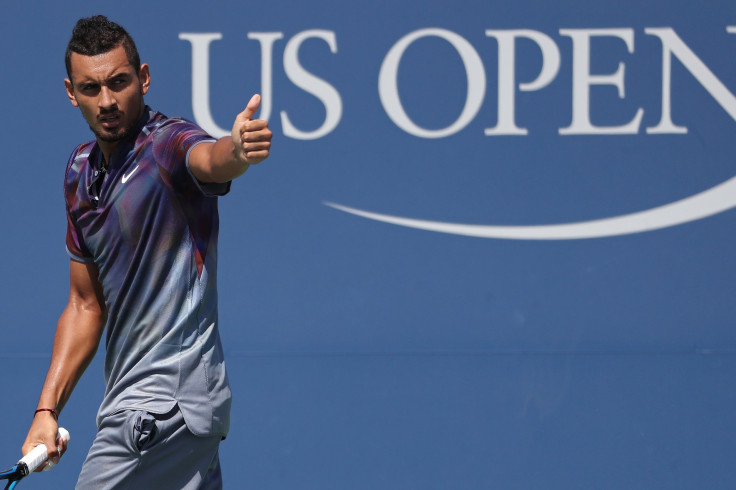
pixel 38 455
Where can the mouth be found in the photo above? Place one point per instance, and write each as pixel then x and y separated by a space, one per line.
pixel 110 121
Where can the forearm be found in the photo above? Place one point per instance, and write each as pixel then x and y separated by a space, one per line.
pixel 228 158
pixel 77 336
pixel 223 162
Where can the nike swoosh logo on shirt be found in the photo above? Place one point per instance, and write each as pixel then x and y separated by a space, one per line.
pixel 127 176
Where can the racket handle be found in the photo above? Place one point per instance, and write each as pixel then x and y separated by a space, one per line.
pixel 38 455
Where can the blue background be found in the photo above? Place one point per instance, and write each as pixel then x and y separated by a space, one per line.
pixel 364 355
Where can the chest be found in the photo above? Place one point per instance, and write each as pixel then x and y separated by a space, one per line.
pixel 125 208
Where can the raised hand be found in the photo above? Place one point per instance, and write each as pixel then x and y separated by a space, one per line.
pixel 251 137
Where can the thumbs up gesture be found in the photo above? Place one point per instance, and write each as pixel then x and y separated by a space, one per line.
pixel 251 137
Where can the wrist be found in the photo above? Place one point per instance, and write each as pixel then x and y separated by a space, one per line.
pixel 54 413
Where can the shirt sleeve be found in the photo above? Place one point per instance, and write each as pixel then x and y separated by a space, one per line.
pixel 173 143
pixel 75 246
pixel 207 188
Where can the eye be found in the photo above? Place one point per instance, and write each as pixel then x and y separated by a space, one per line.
pixel 89 88
pixel 119 83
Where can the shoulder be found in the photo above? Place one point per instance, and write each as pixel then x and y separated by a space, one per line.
pixel 160 125
pixel 178 126
pixel 176 136
pixel 78 159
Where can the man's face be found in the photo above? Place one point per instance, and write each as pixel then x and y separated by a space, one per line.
pixel 109 91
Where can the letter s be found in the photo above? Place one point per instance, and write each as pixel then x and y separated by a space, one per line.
pixel 311 84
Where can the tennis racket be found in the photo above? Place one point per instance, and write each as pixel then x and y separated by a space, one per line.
pixel 30 462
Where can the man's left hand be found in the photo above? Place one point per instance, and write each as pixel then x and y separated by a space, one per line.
pixel 251 137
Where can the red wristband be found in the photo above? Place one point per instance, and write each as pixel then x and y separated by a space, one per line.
pixel 53 412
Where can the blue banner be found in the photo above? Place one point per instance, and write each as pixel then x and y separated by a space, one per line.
pixel 492 246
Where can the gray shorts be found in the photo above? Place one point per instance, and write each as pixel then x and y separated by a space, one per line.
pixel 139 450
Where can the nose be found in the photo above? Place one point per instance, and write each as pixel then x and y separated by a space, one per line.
pixel 107 99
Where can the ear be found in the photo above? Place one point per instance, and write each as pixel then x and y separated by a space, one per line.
pixel 145 77
pixel 69 86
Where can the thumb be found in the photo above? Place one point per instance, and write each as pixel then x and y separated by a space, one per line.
pixel 251 108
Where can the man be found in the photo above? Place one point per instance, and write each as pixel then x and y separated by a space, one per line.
pixel 142 229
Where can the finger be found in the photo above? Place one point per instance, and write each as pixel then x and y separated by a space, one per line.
pixel 256 157
pixel 257 154
pixel 251 136
pixel 251 108
pixel 53 453
pixel 249 125
pixel 61 444
pixel 256 144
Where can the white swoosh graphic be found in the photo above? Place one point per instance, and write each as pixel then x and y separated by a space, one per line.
pixel 129 174
pixel 707 203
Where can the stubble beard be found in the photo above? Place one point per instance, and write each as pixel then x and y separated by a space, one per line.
pixel 118 134
pixel 111 137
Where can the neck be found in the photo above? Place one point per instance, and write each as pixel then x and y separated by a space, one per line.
pixel 107 148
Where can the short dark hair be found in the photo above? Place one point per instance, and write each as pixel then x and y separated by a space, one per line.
pixel 97 35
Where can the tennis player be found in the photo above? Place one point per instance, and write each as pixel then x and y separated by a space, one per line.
pixel 141 203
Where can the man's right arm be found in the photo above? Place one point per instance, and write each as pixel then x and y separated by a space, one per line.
pixel 78 334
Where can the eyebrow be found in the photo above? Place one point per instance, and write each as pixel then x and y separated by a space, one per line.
pixel 116 76
pixel 120 72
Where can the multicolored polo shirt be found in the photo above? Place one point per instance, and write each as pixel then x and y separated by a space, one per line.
pixel 151 229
